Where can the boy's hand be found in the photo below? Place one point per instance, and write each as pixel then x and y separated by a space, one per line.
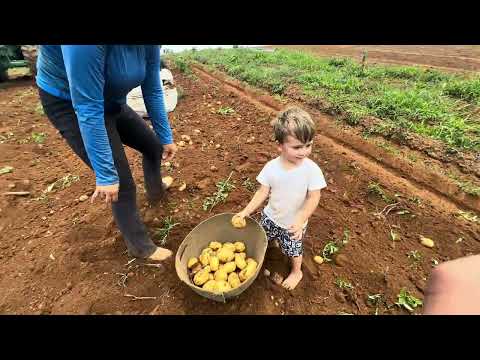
pixel 241 215
pixel 296 230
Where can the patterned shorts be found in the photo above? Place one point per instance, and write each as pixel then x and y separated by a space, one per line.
pixel 290 247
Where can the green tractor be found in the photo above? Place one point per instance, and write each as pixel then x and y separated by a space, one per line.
pixel 14 56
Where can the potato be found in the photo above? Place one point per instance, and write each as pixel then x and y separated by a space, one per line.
pixel 214 263
pixel 238 221
pixel 210 285
pixel 229 267
pixel 215 245
pixel 239 246
pixel 318 259
pixel 234 280
pixel 229 245
pixel 207 250
pixel 243 255
pixel 427 242
pixel 225 255
pixel 204 259
pixel 222 286
pixel 248 271
pixel 240 261
pixel 191 262
pixel 201 277
pixel 196 268
pixel 251 261
pixel 210 276
pixel 220 275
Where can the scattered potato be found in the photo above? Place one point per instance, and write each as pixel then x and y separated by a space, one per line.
pixel 243 255
pixel 239 246
pixel 318 259
pixel 238 222
pixel 251 261
pixel 427 242
pixel 210 276
pixel 191 262
pixel 207 250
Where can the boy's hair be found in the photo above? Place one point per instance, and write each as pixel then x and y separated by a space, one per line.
pixel 295 122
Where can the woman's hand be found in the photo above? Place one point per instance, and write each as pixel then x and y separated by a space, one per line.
pixel 169 151
pixel 110 192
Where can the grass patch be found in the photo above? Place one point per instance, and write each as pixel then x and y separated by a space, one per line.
pixel 406 98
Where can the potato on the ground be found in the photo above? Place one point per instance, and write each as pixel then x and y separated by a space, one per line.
pixel 239 246
pixel 191 262
pixel 240 261
pixel 318 259
pixel 238 222
pixel 215 245
pixel 225 255
pixel 229 267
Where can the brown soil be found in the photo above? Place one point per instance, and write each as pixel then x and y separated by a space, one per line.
pixel 444 57
pixel 64 256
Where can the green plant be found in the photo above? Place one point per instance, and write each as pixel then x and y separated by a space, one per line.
pixel 161 234
pixel 415 256
pixel 468 215
pixel 60 184
pixel 408 301
pixel 249 185
pixel 225 110
pixel 39 138
pixel 343 284
pixel 224 188
pixel 375 189
pixel 330 249
pixel 376 300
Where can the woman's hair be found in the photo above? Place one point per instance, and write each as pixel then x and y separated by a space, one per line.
pixel 295 122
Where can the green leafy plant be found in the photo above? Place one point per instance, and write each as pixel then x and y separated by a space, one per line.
pixel 225 110
pixel 39 138
pixel 375 189
pixel 249 185
pixel 330 249
pixel 376 300
pixel 162 233
pixel 408 301
pixel 343 284
pixel 224 188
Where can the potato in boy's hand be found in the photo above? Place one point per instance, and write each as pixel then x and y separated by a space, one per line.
pixel 238 221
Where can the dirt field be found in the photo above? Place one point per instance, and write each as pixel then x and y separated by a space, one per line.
pixel 60 255
pixel 444 57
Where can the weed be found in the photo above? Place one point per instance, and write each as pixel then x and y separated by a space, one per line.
pixel 375 189
pixel 249 185
pixel 469 216
pixel 39 138
pixel 161 234
pixel 225 111
pixel 408 301
pixel 376 300
pixel 330 249
pixel 415 256
pixel 343 284
pixel 224 188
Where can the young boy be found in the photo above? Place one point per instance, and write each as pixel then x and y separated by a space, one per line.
pixel 292 182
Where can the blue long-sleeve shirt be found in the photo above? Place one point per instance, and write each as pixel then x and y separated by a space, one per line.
pixel 96 78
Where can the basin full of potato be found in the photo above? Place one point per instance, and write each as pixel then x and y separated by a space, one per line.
pixel 220 268
pixel 220 258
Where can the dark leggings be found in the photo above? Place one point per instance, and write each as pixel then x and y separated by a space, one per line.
pixel 123 127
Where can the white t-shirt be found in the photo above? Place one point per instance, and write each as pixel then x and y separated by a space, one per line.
pixel 288 188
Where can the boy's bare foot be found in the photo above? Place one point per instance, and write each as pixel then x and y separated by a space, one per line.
pixel 277 278
pixel 292 280
pixel 160 254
